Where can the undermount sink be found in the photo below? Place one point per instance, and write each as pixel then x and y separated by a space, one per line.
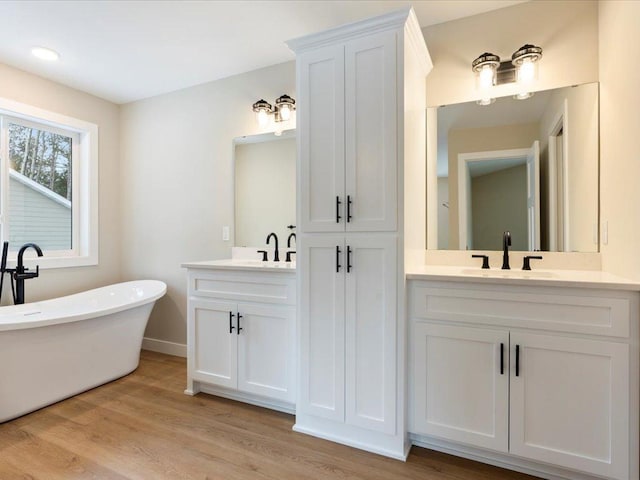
pixel 499 273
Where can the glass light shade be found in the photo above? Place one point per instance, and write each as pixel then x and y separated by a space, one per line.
pixel 486 76
pixel 526 61
pixel 262 117
pixel 285 112
pixel 284 106
pixel 262 110
pixel 485 68
pixel 527 71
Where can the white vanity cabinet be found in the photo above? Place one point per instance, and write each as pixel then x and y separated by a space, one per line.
pixel 460 384
pixel 347 117
pixel 241 334
pixel 535 373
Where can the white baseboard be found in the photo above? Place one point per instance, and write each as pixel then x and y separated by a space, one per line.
pixel 257 400
pixel 162 346
pixel 497 459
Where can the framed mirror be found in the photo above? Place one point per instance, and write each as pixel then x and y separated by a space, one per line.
pixel 526 166
pixel 265 187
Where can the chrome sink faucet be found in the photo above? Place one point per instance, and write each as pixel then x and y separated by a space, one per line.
pixel 506 243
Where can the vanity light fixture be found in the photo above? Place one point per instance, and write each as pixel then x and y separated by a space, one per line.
pixel 522 68
pixel 281 112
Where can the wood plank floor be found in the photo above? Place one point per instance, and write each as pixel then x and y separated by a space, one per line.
pixel 143 427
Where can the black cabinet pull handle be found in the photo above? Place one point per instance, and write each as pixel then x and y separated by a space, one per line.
pixel 239 327
pixel 338 259
pixel 231 327
pixel 349 266
pixel 517 360
pixel 338 203
pixel 348 208
pixel 502 359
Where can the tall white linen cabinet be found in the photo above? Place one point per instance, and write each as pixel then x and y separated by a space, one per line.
pixel 361 219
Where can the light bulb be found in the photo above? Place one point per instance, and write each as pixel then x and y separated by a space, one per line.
pixel 486 76
pixel 285 112
pixel 526 71
pixel 263 117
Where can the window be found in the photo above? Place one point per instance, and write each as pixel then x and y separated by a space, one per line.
pixel 48 185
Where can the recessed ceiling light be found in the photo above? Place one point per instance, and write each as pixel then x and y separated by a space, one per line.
pixel 45 54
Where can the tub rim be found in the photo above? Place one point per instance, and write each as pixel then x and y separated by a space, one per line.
pixel 156 289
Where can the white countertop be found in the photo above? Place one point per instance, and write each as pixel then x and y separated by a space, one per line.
pixel 535 277
pixel 245 265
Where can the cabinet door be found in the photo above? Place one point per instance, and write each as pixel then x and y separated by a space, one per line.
pixel 215 345
pixel 569 403
pixel 371 133
pixel 320 118
pixel 266 343
pixel 461 384
pixel 321 268
pixel 371 333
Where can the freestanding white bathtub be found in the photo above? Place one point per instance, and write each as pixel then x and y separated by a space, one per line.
pixel 54 349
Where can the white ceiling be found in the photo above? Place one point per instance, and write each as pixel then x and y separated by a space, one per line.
pixel 127 50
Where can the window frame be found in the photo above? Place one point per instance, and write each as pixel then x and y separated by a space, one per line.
pixel 84 186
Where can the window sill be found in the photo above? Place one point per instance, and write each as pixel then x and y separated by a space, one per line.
pixel 53 262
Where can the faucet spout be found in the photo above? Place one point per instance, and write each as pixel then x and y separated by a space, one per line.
pixel 506 243
pixel 291 235
pixel 22 250
pixel 21 274
pixel 276 256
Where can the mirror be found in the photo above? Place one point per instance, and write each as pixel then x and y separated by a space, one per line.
pixel 527 166
pixel 265 187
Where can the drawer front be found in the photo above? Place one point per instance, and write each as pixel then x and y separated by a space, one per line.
pixel 593 313
pixel 243 286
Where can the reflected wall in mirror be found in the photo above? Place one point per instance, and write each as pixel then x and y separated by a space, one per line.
pixel 526 166
pixel 265 187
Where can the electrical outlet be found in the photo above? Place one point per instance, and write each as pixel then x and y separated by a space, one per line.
pixel 225 233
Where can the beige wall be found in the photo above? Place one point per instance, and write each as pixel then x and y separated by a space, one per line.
pixel 619 131
pixel 500 204
pixel 265 191
pixel 566 30
pixel 36 91
pixel 481 140
pixel 177 187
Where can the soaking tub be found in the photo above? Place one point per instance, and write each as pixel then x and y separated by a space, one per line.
pixel 54 349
